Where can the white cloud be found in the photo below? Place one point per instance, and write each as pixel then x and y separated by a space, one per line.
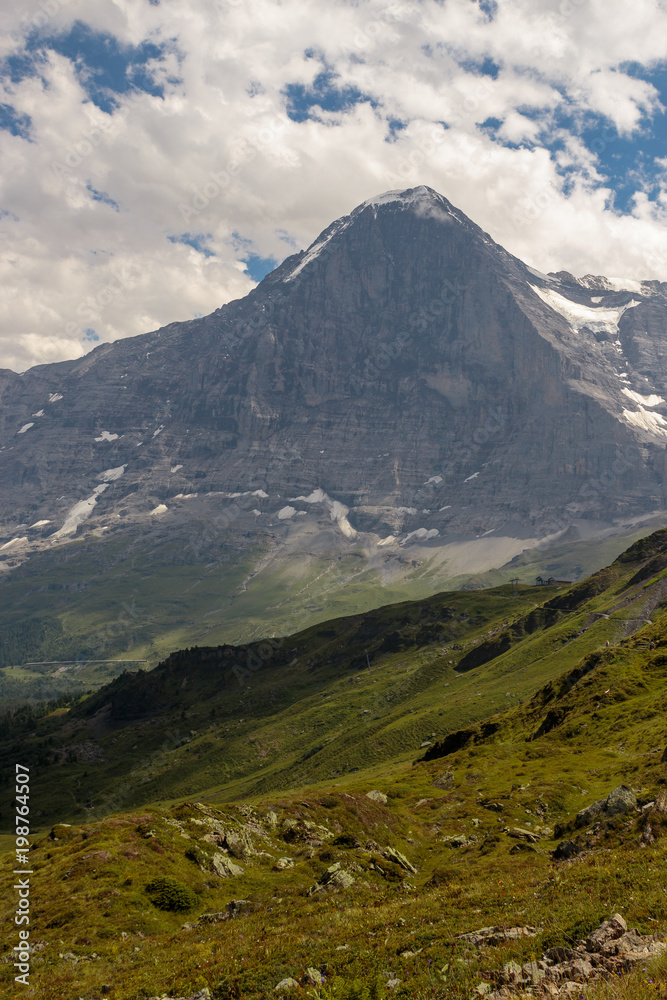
pixel 218 156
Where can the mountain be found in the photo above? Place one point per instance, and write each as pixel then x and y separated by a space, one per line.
pixel 362 803
pixel 403 405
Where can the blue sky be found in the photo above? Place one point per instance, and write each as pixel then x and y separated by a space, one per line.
pixel 159 159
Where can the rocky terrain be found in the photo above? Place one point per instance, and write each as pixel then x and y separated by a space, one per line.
pixel 404 397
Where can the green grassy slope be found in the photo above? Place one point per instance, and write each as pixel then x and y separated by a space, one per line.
pixel 583 719
pixel 136 598
pixel 235 721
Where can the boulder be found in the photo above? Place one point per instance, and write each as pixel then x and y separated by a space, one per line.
pixel 313 977
pixel 444 781
pixel 391 854
pixel 490 936
pixel 282 864
pixel 608 931
pixel 335 877
pixel 225 868
pixel 565 850
pixel 377 796
pixel 286 984
pixel 619 802
pixel 238 844
pixel 456 840
pixel 526 835
pixel 622 800
pixel 512 973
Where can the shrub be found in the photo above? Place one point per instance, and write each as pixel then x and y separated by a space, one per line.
pixel 168 894
pixel 369 988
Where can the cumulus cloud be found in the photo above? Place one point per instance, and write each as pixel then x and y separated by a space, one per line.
pixel 133 197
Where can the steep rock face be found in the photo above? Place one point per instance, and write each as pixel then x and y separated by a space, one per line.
pixel 405 365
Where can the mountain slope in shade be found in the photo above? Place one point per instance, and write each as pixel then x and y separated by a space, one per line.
pixel 405 393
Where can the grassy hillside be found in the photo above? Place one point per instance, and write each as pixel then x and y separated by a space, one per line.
pixel 138 597
pixel 243 773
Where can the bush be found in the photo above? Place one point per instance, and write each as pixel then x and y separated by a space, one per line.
pixel 168 894
pixel 369 988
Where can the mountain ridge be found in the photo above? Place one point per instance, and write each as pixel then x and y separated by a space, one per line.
pixel 404 398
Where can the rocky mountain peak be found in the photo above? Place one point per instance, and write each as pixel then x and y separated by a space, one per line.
pixel 404 387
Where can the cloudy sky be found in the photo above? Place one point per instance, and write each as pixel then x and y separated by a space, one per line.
pixel 160 156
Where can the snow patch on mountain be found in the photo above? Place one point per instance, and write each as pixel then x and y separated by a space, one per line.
pixel 316 249
pixel 285 513
pixel 317 496
pixel 107 436
pixel 110 475
pixel 636 397
pixel 423 534
pixel 26 427
pixel 653 423
pixel 10 544
pixel 79 512
pixel 579 315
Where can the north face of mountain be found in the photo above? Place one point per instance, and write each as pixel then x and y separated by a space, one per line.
pixel 404 387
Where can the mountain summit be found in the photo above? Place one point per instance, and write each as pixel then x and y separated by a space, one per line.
pixel 404 389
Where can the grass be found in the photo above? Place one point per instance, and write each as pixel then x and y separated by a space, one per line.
pixel 583 718
pixel 125 597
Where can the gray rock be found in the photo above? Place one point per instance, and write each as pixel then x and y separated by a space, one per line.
pixel 520 834
pixel 512 973
pixel 335 877
pixel 565 850
pixel 619 801
pixel 444 781
pixel 577 971
pixel 490 936
pixel 286 984
pixel 622 800
pixel 660 804
pixel 282 864
pixel 314 977
pixel 391 854
pixel 377 796
pixel 608 931
pixel 225 868
pixel 456 840
pixel 533 971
